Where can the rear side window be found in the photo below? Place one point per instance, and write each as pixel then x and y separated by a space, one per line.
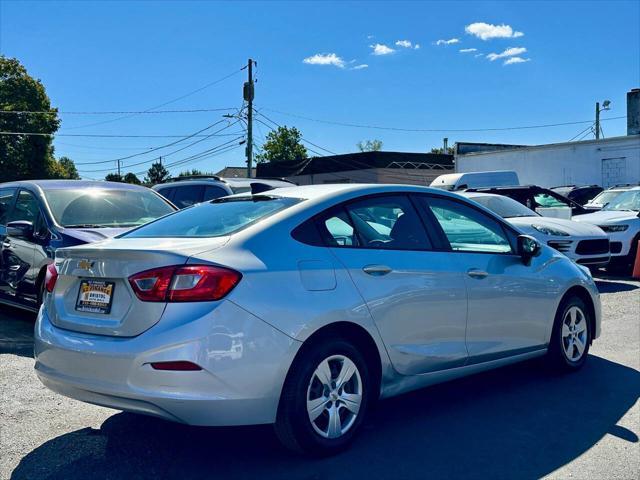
pixel 385 222
pixel 388 222
pixel 545 200
pixel 188 195
pixel 467 229
pixel 6 197
pixel 214 219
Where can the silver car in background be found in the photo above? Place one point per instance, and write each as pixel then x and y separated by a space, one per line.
pixel 585 244
pixel 301 306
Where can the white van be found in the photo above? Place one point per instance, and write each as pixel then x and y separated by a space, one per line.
pixel 461 181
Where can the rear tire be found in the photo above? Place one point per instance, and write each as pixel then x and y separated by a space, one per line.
pixel 325 398
pixel 571 336
pixel 624 265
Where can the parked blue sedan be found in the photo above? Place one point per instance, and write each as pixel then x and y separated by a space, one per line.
pixel 37 217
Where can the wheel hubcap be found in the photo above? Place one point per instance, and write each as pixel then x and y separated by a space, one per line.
pixel 334 396
pixel 574 334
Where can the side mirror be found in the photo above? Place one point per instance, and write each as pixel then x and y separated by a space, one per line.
pixel 20 229
pixel 528 247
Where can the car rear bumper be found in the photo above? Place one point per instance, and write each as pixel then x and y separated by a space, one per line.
pixel 244 363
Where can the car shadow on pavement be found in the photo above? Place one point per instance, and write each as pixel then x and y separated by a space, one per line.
pixel 612 286
pixel 517 422
pixel 16 331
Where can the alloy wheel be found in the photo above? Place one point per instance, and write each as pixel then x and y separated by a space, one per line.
pixel 574 333
pixel 334 396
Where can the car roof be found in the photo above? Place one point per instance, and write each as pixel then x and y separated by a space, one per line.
pixel 231 182
pixel 312 192
pixel 72 184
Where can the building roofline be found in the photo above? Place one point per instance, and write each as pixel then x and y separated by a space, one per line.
pixel 546 145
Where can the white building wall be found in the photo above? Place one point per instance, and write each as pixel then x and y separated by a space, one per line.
pixel 603 162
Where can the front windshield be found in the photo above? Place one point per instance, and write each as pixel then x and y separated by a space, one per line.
pixel 217 218
pixel 505 207
pixel 105 208
pixel 625 201
pixel 606 197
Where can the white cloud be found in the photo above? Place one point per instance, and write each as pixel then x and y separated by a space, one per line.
pixel 486 31
pixel 407 44
pixel 512 60
pixel 369 37
pixel 451 41
pixel 325 59
pixel 478 55
pixel 509 52
pixel 381 49
pixel 468 50
pixel 360 67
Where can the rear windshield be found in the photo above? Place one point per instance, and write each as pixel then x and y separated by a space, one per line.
pixel 105 208
pixel 217 218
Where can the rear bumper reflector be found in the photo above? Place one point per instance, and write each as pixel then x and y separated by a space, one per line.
pixel 179 366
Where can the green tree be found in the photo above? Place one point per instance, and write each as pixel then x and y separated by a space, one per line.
pixel 65 168
pixel 157 174
pixel 113 177
pixel 25 156
pixel 283 144
pixel 132 178
pixel 193 172
pixel 450 150
pixel 370 145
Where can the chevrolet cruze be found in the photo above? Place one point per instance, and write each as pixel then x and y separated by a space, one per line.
pixel 302 306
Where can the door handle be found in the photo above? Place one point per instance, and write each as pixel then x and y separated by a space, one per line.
pixel 6 244
pixel 475 273
pixel 376 270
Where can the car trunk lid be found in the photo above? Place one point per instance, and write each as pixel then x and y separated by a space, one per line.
pixel 92 293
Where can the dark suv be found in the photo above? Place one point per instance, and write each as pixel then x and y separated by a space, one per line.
pixel 534 197
pixel 189 190
pixel 37 217
pixel 581 194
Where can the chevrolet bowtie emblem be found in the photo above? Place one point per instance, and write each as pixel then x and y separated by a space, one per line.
pixel 85 264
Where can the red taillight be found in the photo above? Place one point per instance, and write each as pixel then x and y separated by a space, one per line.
pixel 50 277
pixel 180 365
pixel 189 283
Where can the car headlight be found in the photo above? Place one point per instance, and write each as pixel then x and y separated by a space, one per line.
pixel 550 231
pixel 614 228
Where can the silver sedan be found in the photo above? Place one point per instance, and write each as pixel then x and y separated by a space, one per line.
pixel 302 306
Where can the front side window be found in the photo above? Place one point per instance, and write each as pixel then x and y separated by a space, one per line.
pixel 103 208
pixel 26 208
pixel 217 218
pixel 467 229
pixel 6 197
pixel 544 200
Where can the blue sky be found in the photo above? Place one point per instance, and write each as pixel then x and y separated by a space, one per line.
pixel 131 56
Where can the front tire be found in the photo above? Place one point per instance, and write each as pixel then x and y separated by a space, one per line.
pixel 571 336
pixel 325 398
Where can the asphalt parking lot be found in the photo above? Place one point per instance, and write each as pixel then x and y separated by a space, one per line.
pixel 518 422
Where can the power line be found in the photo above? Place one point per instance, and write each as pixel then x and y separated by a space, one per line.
pixel 193 92
pixel 103 112
pixel 581 132
pixel 155 148
pixel 96 135
pixel 302 137
pixel 435 130
pixel 164 155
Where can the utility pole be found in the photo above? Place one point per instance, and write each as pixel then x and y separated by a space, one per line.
pixel 247 93
pixel 597 120
pixel 160 160
pixel 118 168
